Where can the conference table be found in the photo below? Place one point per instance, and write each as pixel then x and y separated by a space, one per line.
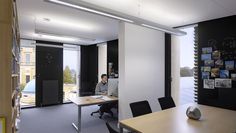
pixel 87 101
pixel 174 120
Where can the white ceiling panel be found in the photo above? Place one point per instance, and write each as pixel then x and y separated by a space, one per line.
pixel 60 20
pixel 171 13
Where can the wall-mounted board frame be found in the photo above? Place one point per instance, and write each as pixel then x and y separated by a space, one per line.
pixel 2 125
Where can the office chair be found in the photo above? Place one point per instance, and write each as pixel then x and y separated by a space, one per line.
pixel 105 108
pixel 111 130
pixel 140 108
pixel 166 102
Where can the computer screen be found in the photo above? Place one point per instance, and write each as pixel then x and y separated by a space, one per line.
pixel 113 87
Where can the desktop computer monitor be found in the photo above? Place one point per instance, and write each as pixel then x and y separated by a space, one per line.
pixel 113 87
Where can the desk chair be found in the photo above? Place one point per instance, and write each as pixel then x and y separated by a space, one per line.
pixel 140 108
pixel 111 130
pixel 104 108
pixel 166 102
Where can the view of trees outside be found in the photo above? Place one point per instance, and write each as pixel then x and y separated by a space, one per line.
pixel 187 66
pixel 70 73
pixel 70 83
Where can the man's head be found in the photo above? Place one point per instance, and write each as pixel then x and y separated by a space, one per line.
pixel 104 78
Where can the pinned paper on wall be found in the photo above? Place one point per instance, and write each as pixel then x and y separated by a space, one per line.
pixel 2 125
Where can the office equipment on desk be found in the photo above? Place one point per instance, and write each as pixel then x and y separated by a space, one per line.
pixel 140 108
pixel 174 120
pixel 166 102
pixel 2 125
pixel 86 101
pixel 113 87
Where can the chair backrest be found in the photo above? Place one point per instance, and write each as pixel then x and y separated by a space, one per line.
pixel 140 108
pixel 111 130
pixel 166 102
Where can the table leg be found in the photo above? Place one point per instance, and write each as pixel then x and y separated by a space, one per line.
pixel 121 129
pixel 78 126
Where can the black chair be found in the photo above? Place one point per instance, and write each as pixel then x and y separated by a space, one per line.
pixel 111 130
pixel 166 102
pixel 140 108
pixel 105 108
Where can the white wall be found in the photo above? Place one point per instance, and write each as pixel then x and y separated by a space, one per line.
pixel 141 67
pixel 102 59
pixel 175 68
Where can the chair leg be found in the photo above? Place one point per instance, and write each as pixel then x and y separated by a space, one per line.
pixel 111 113
pixel 94 112
pixel 101 114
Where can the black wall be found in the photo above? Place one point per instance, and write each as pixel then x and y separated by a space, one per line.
pixel 213 34
pixel 49 66
pixel 112 54
pixel 89 70
pixel 167 65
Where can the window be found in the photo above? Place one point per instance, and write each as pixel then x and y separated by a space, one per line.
pixel 27 78
pixel 27 58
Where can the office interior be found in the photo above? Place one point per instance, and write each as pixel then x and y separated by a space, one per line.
pixel 170 66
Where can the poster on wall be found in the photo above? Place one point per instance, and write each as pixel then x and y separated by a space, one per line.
pixel 208 84
pixel 207 50
pixel 224 73
pixel 219 63
pixel 215 72
pixel 229 65
pixel 223 83
pixel 206 57
pixel 233 76
pixel 209 62
pixel 206 69
pixel 216 55
pixel 2 125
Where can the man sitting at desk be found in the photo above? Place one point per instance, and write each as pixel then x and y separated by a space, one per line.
pixel 102 87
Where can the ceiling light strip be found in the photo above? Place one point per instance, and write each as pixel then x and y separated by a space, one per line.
pixel 56 46
pixel 89 10
pixel 161 29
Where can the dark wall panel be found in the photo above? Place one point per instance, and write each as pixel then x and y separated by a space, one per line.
pixel 49 67
pixel 220 34
pixel 112 55
pixel 89 70
pixel 167 65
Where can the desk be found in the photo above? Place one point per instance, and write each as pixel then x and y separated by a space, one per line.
pixel 86 101
pixel 174 120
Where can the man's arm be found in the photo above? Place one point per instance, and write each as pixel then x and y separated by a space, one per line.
pixel 97 90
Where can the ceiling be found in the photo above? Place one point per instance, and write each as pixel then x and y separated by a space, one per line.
pixel 171 13
pixel 40 16
pixel 39 20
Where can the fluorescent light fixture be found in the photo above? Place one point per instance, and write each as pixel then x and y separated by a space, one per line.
pixel 89 10
pixel 65 47
pixel 164 30
pixel 52 36
pixel 61 38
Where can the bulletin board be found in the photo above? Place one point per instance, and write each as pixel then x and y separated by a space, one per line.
pixel 217 63
pixel 2 125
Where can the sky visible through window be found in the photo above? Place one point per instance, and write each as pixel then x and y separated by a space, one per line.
pixel 71 59
pixel 187 48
